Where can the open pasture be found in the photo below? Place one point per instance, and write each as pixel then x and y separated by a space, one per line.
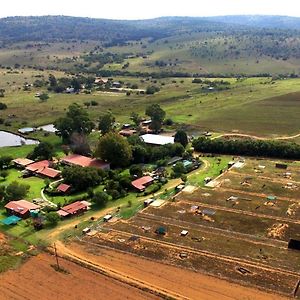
pixel 239 109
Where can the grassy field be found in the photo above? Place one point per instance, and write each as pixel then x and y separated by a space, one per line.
pixel 256 105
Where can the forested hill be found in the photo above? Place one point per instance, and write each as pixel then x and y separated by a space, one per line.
pixel 48 28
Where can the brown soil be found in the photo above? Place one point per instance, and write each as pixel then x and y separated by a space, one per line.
pixel 36 280
pixel 183 283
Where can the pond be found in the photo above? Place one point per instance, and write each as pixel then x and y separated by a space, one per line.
pixel 11 139
pixel 48 128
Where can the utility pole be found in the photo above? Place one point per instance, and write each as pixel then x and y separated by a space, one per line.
pixel 56 256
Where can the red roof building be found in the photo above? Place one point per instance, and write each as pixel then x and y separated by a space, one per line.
pixel 38 165
pixel 64 188
pixel 73 209
pixel 141 183
pixel 84 161
pixel 49 172
pixel 22 162
pixel 21 208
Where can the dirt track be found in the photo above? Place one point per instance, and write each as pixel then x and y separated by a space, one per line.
pixel 37 280
pixel 257 137
pixel 186 284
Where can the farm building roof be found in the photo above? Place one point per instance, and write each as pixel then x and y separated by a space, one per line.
pixel 48 172
pixel 11 220
pixel 156 139
pixel 38 165
pixel 63 187
pixel 141 183
pixel 23 161
pixel 74 207
pixel 62 213
pixel 84 161
pixel 21 206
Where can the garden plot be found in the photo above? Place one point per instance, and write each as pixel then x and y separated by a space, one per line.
pixel 228 220
pixel 267 168
pixel 245 202
pixel 203 240
pixel 262 186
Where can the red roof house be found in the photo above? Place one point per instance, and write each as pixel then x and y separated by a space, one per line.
pixel 64 188
pixel 141 183
pixel 38 165
pixel 73 209
pixel 48 172
pixel 21 208
pixel 84 161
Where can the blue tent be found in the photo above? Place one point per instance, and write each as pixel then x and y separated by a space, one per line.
pixel 12 220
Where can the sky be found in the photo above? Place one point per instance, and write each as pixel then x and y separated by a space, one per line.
pixel 145 9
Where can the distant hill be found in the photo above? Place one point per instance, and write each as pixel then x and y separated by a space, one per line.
pixel 49 28
pixel 202 45
pixel 279 22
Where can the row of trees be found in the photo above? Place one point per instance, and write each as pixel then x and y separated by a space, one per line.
pixel 248 147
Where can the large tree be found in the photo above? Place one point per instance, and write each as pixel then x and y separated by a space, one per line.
pixel 76 120
pixel 16 191
pixel 44 150
pixel 82 178
pixel 106 123
pixel 115 149
pixel 181 137
pixel 157 115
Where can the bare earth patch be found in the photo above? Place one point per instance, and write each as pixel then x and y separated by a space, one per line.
pixel 36 280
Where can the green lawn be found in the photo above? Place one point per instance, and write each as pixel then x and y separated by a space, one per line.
pixel 197 177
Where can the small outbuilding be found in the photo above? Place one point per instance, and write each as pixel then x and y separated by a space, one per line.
pixel 64 188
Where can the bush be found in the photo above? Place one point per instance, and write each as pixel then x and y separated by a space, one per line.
pixel 3 106
pixel 151 90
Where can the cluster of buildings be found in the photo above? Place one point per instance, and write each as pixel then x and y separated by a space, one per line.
pixel 46 168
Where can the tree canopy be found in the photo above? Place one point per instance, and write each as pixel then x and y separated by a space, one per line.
pixel 115 149
pixel 106 123
pixel 43 150
pixel 76 120
pixel 181 137
pixel 157 115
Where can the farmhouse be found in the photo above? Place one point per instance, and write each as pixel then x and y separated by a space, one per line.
pixel 156 139
pixel 22 162
pixel 84 161
pixel 73 209
pixel 101 81
pixel 39 165
pixel 43 169
pixel 48 172
pixel 141 183
pixel 127 132
pixel 21 208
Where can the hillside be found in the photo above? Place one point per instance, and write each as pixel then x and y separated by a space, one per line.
pixel 178 46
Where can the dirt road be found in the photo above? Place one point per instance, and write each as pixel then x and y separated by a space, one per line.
pixel 287 137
